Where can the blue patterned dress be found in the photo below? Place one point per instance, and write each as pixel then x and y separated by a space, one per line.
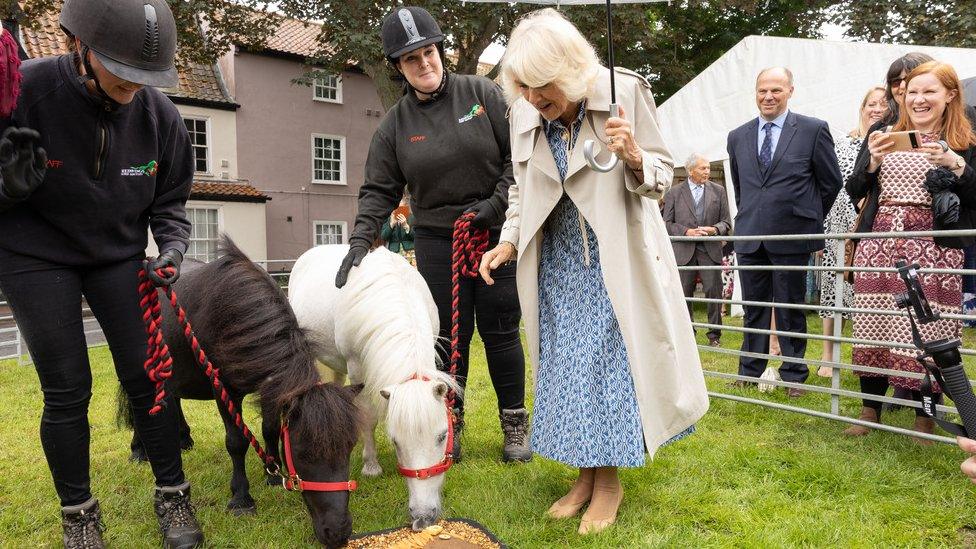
pixel 586 412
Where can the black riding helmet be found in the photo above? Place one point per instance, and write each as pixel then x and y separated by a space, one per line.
pixel 406 29
pixel 134 39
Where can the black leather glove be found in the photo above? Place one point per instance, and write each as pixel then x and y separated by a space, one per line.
pixel 485 215
pixel 353 258
pixel 170 259
pixel 22 163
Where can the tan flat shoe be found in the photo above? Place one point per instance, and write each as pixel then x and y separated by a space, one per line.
pixel 602 511
pixel 563 510
pixel 578 496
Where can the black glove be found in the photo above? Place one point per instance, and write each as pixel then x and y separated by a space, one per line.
pixel 353 258
pixel 22 163
pixel 485 215
pixel 170 259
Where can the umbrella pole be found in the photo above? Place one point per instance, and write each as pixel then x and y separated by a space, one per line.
pixel 589 146
pixel 613 86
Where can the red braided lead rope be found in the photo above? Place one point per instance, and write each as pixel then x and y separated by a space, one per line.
pixel 467 247
pixel 159 363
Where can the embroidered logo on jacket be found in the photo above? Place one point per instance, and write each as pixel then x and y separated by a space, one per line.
pixel 476 111
pixel 417 138
pixel 149 169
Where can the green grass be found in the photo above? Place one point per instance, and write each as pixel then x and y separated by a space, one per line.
pixel 750 477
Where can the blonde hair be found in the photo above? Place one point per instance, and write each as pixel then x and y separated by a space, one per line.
pixel 545 48
pixel 956 128
pixel 862 129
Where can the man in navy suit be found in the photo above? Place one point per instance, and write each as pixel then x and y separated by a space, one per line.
pixel 785 176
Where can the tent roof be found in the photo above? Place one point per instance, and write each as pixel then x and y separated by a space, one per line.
pixel 830 79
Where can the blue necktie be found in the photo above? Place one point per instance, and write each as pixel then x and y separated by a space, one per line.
pixel 766 152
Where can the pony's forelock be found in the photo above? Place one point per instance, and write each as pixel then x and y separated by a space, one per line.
pixel 326 419
pixel 412 405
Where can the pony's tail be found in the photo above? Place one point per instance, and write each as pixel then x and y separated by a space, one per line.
pixel 123 410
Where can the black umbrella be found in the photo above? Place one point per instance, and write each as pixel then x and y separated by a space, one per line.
pixel 589 146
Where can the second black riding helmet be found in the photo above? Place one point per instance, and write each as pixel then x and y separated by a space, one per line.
pixel 406 29
pixel 134 39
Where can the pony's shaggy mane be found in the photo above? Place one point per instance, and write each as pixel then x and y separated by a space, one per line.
pixel 402 345
pixel 260 342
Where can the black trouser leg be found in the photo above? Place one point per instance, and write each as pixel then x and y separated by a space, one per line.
pixel 756 286
pixel 687 279
pixel 790 287
pixel 712 286
pixel 498 313
pixel 498 316
pixel 46 302
pixel 874 385
pixel 112 294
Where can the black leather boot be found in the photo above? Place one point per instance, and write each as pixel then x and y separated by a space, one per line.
pixel 515 425
pixel 176 516
pixel 82 525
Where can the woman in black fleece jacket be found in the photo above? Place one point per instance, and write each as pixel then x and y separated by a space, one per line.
pixel 446 141
pixel 89 162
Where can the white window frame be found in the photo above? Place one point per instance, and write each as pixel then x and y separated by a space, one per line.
pixel 344 226
pixel 342 159
pixel 319 83
pixel 209 130
pixel 220 224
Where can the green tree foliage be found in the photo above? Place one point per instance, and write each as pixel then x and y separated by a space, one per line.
pixel 924 22
pixel 668 42
pixel 672 42
pixel 351 34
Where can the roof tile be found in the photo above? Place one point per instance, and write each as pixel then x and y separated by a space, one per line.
pixel 231 192
pixel 197 82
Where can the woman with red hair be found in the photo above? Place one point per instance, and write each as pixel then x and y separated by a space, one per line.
pixel 932 187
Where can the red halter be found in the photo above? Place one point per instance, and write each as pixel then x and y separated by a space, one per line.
pixel 295 482
pixel 443 465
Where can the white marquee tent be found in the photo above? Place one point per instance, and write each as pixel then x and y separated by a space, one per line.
pixel 830 79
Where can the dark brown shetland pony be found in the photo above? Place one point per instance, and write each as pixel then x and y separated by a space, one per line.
pixel 247 328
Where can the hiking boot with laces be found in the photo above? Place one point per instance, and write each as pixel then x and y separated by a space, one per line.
pixel 176 517
pixel 515 425
pixel 83 526
pixel 458 428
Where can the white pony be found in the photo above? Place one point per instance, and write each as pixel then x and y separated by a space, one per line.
pixel 381 330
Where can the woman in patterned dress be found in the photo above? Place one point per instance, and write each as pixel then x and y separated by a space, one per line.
pixel 932 106
pixel 842 215
pixel 618 373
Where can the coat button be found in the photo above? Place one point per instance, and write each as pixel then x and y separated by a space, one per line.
pixel 658 257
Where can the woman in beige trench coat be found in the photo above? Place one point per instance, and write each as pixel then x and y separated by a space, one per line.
pixel 618 371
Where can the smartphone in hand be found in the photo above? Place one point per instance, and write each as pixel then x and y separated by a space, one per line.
pixel 905 141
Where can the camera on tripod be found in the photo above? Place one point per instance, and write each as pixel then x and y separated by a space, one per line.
pixel 940 358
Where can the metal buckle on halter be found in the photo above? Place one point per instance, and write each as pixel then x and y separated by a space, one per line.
pixel 295 480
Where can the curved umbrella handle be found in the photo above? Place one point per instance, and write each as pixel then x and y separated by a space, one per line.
pixel 590 154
